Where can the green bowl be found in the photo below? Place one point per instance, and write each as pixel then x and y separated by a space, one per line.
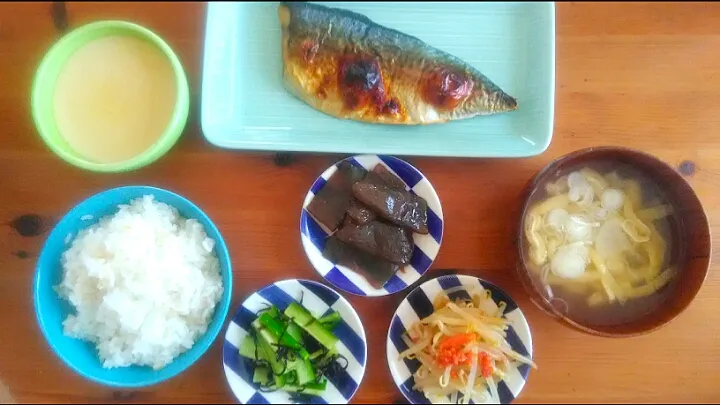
pixel 44 86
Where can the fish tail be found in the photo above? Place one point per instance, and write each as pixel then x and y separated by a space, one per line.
pixel 506 102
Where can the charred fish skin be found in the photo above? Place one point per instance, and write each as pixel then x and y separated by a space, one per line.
pixel 347 66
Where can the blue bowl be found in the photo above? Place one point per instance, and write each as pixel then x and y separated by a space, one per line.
pixel 51 310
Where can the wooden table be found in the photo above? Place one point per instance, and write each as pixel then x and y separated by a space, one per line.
pixel 635 74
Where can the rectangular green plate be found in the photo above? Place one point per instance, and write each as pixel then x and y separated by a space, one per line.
pixel 244 104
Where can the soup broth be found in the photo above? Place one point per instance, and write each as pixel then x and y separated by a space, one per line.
pixel 114 98
pixel 599 243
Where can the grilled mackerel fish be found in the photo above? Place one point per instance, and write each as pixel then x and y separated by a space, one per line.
pixel 347 66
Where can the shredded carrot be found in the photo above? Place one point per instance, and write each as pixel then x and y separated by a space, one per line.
pixel 486 366
pixel 451 350
pixel 457 340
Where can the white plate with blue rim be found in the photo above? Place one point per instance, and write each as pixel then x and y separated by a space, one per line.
pixel 319 300
pixel 426 247
pixel 419 304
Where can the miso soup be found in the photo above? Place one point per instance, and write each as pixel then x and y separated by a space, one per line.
pixel 599 243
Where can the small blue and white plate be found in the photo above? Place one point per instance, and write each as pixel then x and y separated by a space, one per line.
pixel 418 305
pixel 426 248
pixel 320 301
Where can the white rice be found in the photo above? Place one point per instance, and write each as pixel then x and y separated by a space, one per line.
pixel 144 283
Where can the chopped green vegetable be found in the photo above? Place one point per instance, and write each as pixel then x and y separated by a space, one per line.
pixel 309 389
pixel 331 318
pixel 326 358
pixel 262 375
pixel 247 348
pixel 294 330
pixel 305 372
pixel 306 321
pixel 299 314
pixel 317 354
pixel 295 364
pixel 280 380
pixel 330 326
pixel 270 354
pixel 257 326
pixel 268 336
pixel 277 346
pixel 329 322
pixel 278 331
pixel 292 378
pixel 273 312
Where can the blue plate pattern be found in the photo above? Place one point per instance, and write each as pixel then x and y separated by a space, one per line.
pixel 319 300
pixel 314 236
pixel 418 305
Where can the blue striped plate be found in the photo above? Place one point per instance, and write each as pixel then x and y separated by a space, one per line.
pixel 319 300
pixel 427 246
pixel 418 305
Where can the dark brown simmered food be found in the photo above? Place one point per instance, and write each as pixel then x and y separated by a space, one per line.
pixel 399 207
pixel 385 241
pixel 375 270
pixel 328 207
pixel 359 213
pixel 391 180
pixel 351 172
pixel 372 218
pixel 333 200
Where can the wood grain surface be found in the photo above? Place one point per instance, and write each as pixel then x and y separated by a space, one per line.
pixel 642 75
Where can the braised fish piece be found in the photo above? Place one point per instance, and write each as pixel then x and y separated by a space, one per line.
pixel 375 270
pixel 345 65
pixel 385 241
pixel 399 207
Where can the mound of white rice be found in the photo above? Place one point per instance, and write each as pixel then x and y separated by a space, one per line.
pixel 144 283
